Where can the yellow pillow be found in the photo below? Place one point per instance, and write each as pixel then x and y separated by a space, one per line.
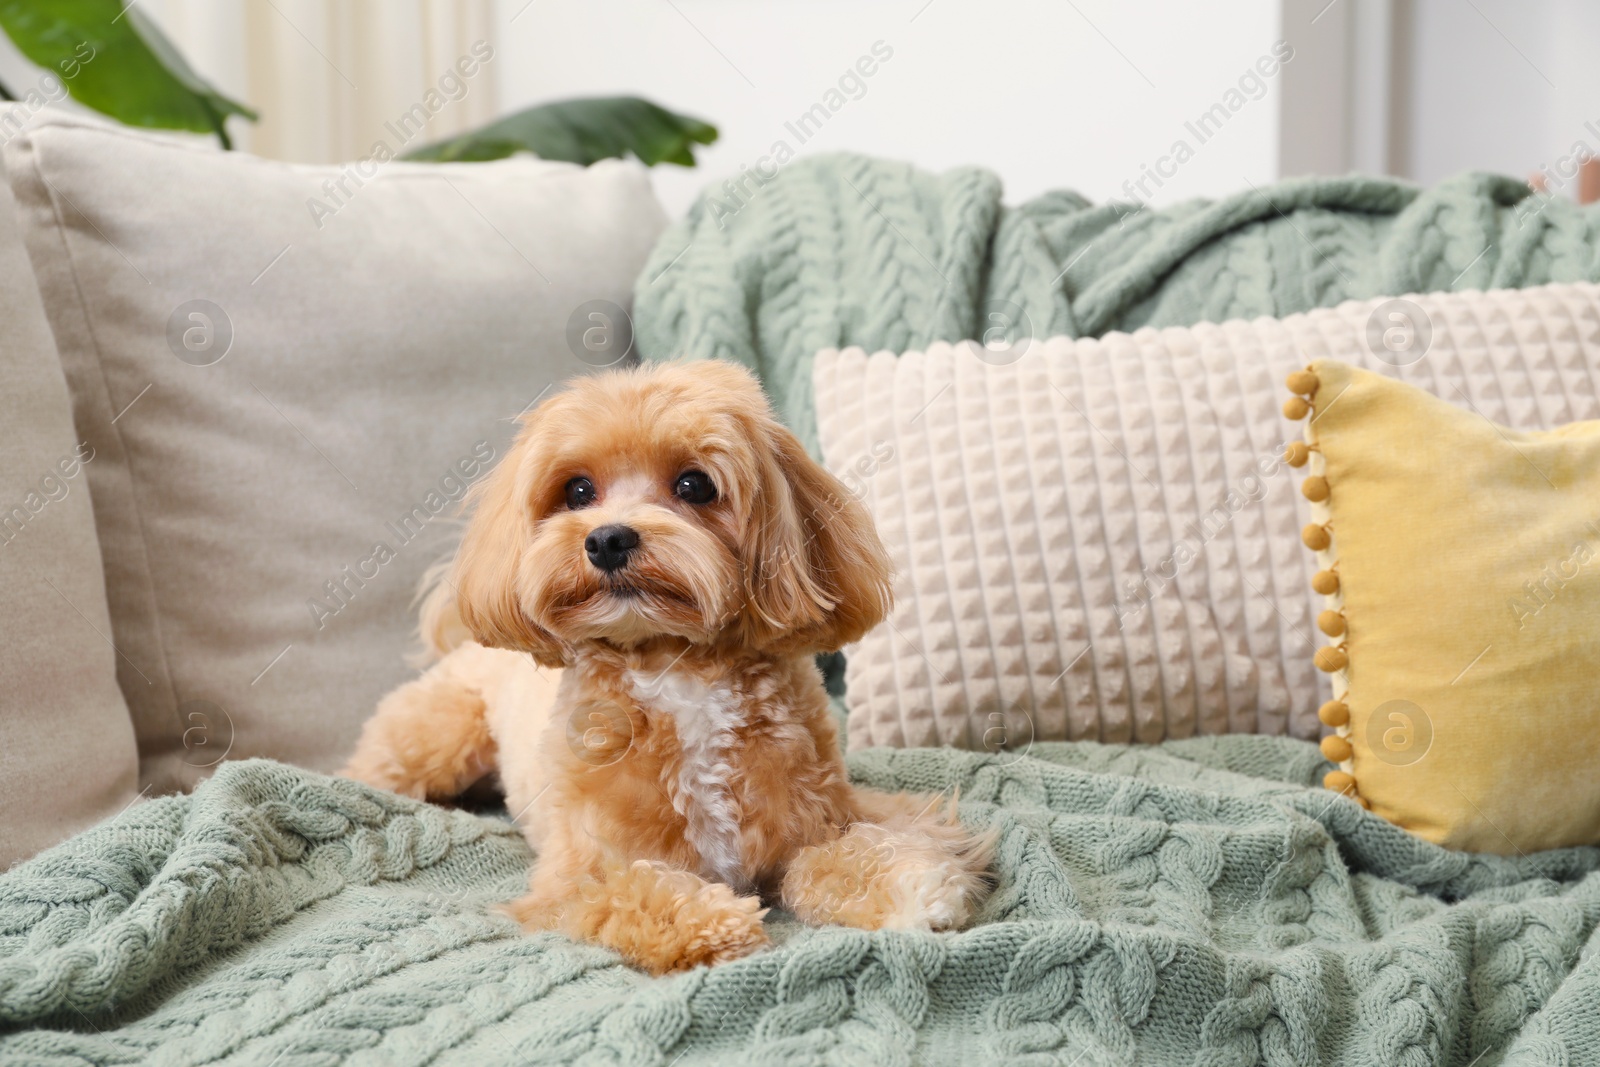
pixel 1461 566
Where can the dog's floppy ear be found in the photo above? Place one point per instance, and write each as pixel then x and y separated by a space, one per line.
pixel 820 577
pixel 488 565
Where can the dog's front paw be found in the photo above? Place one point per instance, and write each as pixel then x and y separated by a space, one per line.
pixel 721 929
pixel 660 919
pixel 873 878
pixel 665 920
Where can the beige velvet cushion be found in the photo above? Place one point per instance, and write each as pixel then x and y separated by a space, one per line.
pixel 1100 540
pixel 67 756
pixel 267 501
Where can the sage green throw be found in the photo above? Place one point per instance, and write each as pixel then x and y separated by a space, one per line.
pixel 1197 903
pixel 848 250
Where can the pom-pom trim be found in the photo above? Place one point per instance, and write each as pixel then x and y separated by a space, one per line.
pixel 1333 658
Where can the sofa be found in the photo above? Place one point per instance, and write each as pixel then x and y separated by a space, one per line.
pixel 246 401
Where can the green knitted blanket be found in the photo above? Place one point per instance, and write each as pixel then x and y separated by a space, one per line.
pixel 1196 903
pixel 848 250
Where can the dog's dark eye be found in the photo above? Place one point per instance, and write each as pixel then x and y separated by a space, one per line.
pixel 694 487
pixel 580 493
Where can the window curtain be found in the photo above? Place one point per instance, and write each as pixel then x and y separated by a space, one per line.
pixel 332 78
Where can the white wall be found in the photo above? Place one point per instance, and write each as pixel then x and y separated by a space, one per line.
pixel 1082 95
pixel 1502 85
pixel 1033 89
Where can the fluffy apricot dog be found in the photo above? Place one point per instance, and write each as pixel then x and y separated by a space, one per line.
pixel 662 538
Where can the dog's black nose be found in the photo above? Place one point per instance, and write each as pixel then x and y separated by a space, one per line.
pixel 609 546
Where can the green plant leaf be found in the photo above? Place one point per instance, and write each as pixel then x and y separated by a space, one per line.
pixel 114 59
pixel 581 131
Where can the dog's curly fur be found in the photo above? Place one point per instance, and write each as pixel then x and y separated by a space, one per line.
pixel 683 765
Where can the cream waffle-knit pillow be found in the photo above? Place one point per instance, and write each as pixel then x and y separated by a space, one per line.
pixel 1099 539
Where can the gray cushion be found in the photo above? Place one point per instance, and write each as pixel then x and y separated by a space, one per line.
pixel 67 756
pixel 295 371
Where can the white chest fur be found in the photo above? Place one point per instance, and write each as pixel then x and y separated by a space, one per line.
pixel 705 717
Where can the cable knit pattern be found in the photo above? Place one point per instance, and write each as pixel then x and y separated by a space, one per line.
pixel 844 250
pixel 1100 540
pixel 1200 902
